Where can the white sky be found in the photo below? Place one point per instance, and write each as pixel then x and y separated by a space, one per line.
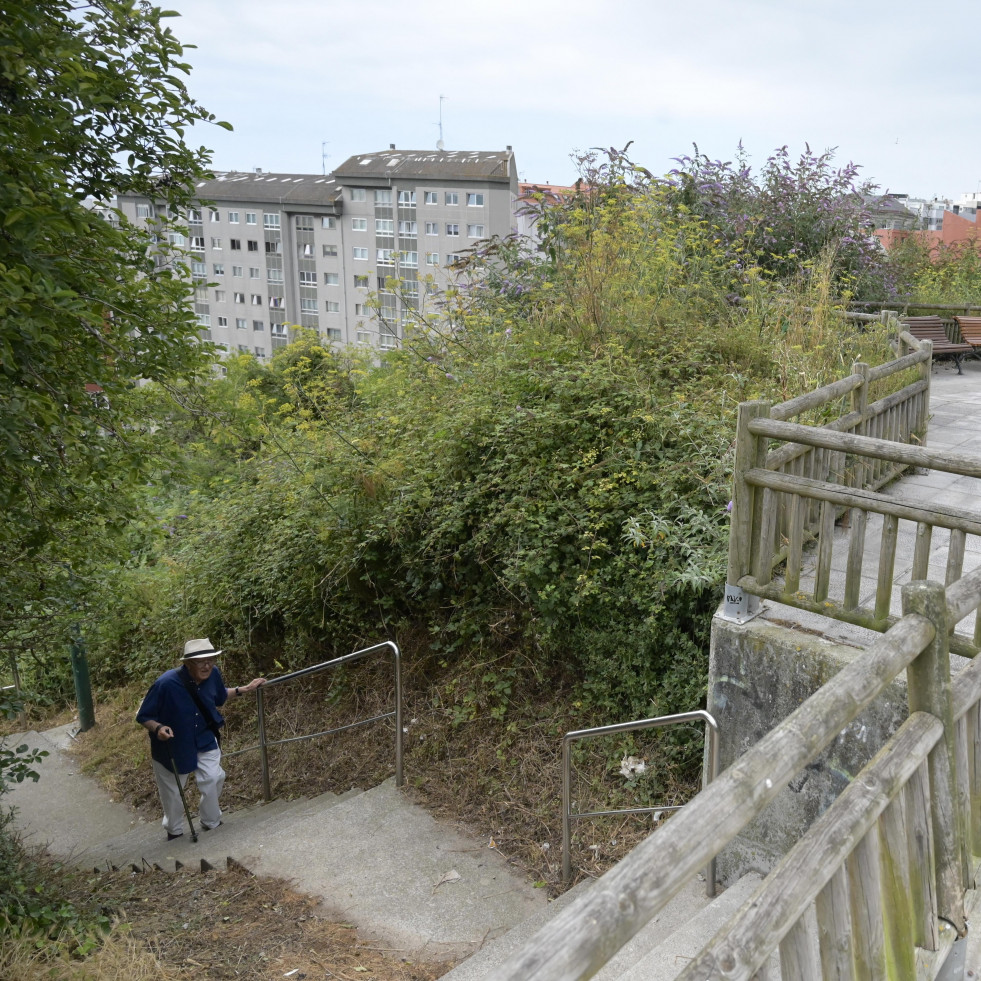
pixel 889 83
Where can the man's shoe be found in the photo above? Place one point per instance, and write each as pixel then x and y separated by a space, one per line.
pixel 171 837
pixel 205 827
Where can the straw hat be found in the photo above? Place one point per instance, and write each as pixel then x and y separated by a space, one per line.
pixel 195 649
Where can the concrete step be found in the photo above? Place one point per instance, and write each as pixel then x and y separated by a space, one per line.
pixel 238 836
pixel 384 864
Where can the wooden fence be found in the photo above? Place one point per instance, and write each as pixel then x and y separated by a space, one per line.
pixel 787 496
pixel 879 885
pixel 876 885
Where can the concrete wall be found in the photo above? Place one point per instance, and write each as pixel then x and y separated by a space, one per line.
pixel 759 673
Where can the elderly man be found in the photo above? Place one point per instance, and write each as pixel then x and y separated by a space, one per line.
pixel 180 711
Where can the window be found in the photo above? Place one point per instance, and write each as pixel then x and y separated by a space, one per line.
pixel 274 248
pixel 451 258
pixel 223 321
pixel 333 333
pixel 408 228
pixel 331 279
pixel 276 302
pixel 241 323
pixel 308 305
pixel 175 238
pixel 359 194
pixel 278 330
pixel 240 298
pixel 198 268
pixel 328 222
pixel 219 296
pixel 249 217
pixel 475 231
pixel 233 217
pixel 258 325
pixel 274 275
pixel 407 199
pixel 257 299
pixel 359 253
pixel 204 319
pixel 260 352
pixel 304 223
pixel 197 243
pixel 236 270
pixel 452 197
pixel 359 224
pixel 307 250
pixel 235 244
pixel 360 309
pixel 432 228
pixel 385 257
pixel 330 250
pixel 410 260
pixel 144 211
pixel 215 242
pixel 383 196
pixel 384 226
pixel 194 216
pixel 411 286
pixel 218 269
pixel 452 229
pixel 361 282
pixel 432 197
pixel 475 200
pixel 215 216
pixel 243 349
pixel 270 221
pixel 432 258
pixel 253 272
pixel 333 306
pixel 308 279
pixel 253 245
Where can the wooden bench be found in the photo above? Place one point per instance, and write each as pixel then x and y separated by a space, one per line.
pixel 970 328
pixel 932 329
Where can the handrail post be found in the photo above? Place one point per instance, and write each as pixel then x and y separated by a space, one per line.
pixel 397 658
pixel 263 752
pixel 746 514
pixel 928 690
pixel 566 808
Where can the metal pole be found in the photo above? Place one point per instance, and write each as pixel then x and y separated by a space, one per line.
pixel 83 687
pixel 263 752
pixel 396 656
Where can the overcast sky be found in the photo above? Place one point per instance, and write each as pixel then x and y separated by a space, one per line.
pixel 890 83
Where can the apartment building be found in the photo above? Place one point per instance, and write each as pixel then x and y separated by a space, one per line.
pixel 268 251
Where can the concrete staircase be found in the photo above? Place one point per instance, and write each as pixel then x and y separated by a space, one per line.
pixel 375 860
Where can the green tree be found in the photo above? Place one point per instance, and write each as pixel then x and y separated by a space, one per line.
pixel 91 104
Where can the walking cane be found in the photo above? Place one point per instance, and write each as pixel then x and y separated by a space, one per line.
pixel 180 788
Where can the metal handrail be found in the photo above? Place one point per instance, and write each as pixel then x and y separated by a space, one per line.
pixel 709 773
pixel 264 744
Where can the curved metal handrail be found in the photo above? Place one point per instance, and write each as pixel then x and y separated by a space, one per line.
pixel 264 744
pixel 709 773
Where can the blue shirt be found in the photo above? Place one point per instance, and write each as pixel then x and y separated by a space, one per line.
pixel 169 702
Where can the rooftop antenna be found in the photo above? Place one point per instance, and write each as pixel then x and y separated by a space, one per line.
pixel 439 143
pixel 324 155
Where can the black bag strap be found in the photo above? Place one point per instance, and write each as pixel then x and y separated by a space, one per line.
pixel 193 692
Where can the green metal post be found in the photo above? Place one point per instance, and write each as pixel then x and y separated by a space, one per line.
pixel 83 687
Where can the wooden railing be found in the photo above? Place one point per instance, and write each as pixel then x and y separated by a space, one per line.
pixel 877 886
pixel 881 877
pixel 786 497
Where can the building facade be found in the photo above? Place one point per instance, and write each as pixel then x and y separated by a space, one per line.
pixel 269 251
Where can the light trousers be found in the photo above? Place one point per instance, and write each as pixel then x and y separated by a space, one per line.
pixel 210 779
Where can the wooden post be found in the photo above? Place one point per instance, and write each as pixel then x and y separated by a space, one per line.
pixel 928 683
pixel 744 529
